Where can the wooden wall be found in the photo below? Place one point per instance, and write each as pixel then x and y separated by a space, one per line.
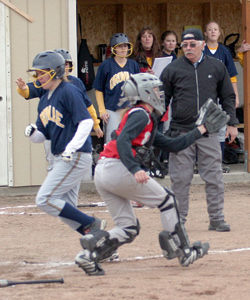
pixel 228 15
pixel 48 31
pixel 99 20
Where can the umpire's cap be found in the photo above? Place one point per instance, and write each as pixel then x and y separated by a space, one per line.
pixel 192 34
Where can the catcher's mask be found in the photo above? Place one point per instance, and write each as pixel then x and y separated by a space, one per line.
pixel 119 39
pixel 68 59
pixel 144 87
pixel 47 63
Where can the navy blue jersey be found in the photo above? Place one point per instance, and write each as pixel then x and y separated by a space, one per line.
pixel 35 92
pixel 109 79
pixel 58 117
pixel 78 83
pixel 223 54
pixel 39 92
pixel 164 54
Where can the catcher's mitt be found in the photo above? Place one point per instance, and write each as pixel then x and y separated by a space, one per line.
pixel 212 117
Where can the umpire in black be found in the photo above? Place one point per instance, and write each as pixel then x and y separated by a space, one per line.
pixel 190 81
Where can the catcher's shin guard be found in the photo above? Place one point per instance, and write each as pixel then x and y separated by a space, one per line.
pixel 168 245
pixel 99 245
pixel 181 233
pixel 169 211
pixel 90 267
pixel 177 245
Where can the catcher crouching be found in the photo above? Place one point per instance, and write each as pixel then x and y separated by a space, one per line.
pixel 121 176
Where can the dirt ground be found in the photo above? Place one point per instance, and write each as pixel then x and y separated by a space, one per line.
pixel 36 246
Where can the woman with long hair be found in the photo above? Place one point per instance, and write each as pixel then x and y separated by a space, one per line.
pixel 146 49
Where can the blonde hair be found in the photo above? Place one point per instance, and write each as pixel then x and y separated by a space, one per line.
pixel 220 29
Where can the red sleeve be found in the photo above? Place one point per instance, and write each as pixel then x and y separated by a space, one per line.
pixel 165 116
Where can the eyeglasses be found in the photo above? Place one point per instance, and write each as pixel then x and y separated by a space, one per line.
pixel 191 45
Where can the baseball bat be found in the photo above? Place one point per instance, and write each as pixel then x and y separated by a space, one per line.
pixel 4 282
pixel 98 204
pixel 87 205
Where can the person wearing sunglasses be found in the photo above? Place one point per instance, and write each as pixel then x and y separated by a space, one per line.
pixel 190 81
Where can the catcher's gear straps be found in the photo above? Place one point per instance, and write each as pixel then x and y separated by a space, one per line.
pixel 154 164
pixel 173 242
pixel 154 130
pixel 168 245
pixel 102 246
pixel 132 232
pixel 180 230
pixel 165 205
pixel 114 134
pixel 176 243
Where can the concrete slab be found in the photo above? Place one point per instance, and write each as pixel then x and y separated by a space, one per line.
pixel 237 174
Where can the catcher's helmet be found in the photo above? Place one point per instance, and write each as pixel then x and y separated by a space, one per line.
pixel 68 59
pixel 49 62
pixel 118 39
pixel 144 87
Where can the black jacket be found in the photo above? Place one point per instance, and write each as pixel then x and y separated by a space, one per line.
pixel 190 87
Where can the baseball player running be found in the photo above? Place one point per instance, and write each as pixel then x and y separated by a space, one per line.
pixel 120 177
pixel 64 120
pixel 33 90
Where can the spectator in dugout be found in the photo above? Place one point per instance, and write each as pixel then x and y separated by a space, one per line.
pixel 217 50
pixel 109 78
pixel 169 41
pixel 146 49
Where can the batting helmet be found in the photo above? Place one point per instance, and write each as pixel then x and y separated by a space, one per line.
pixel 144 87
pixel 119 39
pixel 66 55
pixel 49 62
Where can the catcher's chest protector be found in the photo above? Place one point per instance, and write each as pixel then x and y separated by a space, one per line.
pixel 144 136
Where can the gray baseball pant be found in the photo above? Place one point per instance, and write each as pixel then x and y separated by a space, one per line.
pixel 181 167
pixel 62 185
pixel 113 123
pixel 118 187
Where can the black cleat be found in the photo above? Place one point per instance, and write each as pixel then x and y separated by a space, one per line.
pixel 190 255
pixel 89 266
pixel 220 226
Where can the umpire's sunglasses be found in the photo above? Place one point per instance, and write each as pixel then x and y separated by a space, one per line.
pixel 191 45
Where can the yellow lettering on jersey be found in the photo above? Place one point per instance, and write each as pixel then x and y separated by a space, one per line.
pixel 44 116
pixel 49 113
pixel 53 114
pixel 58 118
pixel 117 78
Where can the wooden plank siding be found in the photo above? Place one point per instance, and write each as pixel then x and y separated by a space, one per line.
pixel 48 31
pixel 131 16
pixel 101 19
